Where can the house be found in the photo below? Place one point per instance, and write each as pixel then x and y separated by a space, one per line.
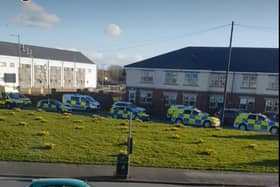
pixel 31 67
pixel 196 76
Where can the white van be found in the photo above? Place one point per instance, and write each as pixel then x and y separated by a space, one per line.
pixel 80 102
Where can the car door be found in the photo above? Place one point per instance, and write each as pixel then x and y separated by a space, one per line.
pixel 75 102
pixel 261 123
pixel 186 116
pixel 251 122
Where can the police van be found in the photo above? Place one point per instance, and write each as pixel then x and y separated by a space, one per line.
pixel 10 97
pixel 80 102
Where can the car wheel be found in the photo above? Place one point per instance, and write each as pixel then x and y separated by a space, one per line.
pixel 179 121
pixel 242 127
pixel 274 131
pixel 207 124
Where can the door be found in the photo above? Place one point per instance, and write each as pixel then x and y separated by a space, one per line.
pixel 132 96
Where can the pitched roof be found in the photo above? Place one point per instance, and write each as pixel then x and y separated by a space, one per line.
pixel 11 49
pixel 215 59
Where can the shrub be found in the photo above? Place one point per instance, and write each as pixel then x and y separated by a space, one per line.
pixel 17 109
pixel 22 123
pixel 43 121
pixel 79 127
pixel 65 117
pixel 175 136
pixel 200 141
pixel 210 152
pixel 11 113
pixel 39 118
pixel 67 114
pixel 78 121
pixel 252 146
pixel 30 113
pixel 179 126
pixel 49 145
pixel 123 124
pixel 43 133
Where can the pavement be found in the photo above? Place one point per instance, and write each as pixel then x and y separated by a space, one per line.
pixel 138 174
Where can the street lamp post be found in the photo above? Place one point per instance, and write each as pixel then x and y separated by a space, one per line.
pixel 227 70
pixel 19 54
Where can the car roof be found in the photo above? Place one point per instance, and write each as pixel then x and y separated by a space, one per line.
pixel 59 181
pixel 122 102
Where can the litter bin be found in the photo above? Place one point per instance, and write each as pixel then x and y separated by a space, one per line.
pixel 122 166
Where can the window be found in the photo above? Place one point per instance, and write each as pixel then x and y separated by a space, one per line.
pixel 247 103
pixel 187 112
pixel 191 79
pixel 12 65
pixel 249 81
pixel 273 82
pixel 253 117
pixel 272 105
pixel 3 64
pixel 171 78
pixel 147 77
pixel 217 80
pixel 216 101
pixel 189 99
pixel 169 98
pixel 9 77
pixel 146 97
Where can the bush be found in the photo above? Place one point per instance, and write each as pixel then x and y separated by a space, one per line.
pixel 79 127
pixel 49 145
pixel 210 152
pixel 78 121
pixel 17 109
pixel 39 118
pixel 252 146
pixel 22 123
pixel 175 136
pixel 43 133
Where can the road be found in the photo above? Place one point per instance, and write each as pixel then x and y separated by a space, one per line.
pixel 21 182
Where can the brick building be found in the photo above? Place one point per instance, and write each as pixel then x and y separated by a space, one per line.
pixel 196 76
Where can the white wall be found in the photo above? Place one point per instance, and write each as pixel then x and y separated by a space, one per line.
pixel 133 79
pixel 90 79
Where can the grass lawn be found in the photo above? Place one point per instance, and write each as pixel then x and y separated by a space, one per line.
pixel 38 136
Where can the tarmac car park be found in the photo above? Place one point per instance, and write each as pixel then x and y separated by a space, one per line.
pixel 256 122
pixel 195 117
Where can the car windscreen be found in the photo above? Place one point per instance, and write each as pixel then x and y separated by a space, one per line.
pixel 90 99
pixel 14 95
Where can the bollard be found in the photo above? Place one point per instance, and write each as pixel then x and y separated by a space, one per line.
pixel 122 166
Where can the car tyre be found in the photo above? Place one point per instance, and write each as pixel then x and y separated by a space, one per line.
pixel 179 121
pixel 242 127
pixel 274 131
pixel 207 124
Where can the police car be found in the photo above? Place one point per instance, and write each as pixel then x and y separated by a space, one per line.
pixel 256 122
pixel 52 105
pixel 124 113
pixel 173 108
pixel 80 102
pixel 9 100
pixel 127 104
pixel 195 117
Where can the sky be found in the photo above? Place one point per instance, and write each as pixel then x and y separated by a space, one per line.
pixel 126 31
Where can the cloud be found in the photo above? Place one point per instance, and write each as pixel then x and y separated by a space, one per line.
pixel 113 30
pixel 113 58
pixel 34 15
